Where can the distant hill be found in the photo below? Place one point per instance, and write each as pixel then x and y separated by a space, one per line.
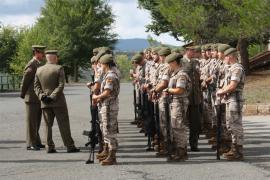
pixel 131 45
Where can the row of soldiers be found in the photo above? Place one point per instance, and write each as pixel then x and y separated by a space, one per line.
pixel 194 91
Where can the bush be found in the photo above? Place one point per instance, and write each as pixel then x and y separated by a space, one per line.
pixel 124 65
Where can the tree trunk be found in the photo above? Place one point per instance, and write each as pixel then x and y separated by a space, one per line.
pixel 75 71
pixel 242 46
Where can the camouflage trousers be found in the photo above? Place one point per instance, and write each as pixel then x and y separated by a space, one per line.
pixel 207 112
pixel 213 109
pixel 225 133
pixel 162 117
pixel 234 121
pixel 109 124
pixel 178 110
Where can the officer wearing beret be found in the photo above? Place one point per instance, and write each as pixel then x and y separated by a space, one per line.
pixel 32 103
pixel 49 86
pixel 192 67
pixel 108 99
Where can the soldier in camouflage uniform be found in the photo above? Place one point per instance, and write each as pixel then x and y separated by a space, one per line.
pixel 206 106
pixel 208 87
pixel 161 82
pixel 178 89
pixel 220 108
pixel 139 79
pixel 108 99
pixel 99 77
pixel 232 92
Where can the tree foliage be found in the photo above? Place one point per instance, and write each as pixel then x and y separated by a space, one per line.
pixel 74 27
pixel 124 65
pixel 9 38
pixel 229 21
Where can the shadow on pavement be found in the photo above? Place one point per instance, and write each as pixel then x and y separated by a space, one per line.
pixel 39 161
pixel 11 141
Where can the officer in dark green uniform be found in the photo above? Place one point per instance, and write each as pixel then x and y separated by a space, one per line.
pixel 32 103
pixel 49 86
pixel 191 66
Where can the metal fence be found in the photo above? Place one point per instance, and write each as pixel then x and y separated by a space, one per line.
pixel 10 82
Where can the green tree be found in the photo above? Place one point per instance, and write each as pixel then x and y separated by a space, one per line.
pixel 29 36
pixel 202 21
pixel 250 22
pixel 124 65
pixel 9 38
pixel 74 27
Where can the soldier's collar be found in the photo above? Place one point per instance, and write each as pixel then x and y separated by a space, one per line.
pixel 177 70
pixel 185 56
pixel 36 60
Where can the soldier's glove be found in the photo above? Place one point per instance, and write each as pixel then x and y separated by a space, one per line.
pixel 48 99
pixel 43 98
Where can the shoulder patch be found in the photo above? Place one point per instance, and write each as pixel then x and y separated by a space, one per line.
pixel 109 80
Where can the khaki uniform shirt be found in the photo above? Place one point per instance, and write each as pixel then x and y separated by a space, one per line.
pixel 50 81
pixel 27 85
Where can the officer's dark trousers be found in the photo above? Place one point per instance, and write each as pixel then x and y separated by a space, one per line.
pixel 61 114
pixel 193 116
pixel 33 119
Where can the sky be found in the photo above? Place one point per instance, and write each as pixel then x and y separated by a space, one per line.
pixel 130 21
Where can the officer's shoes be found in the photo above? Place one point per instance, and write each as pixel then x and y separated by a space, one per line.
pixel 33 148
pixel 134 122
pixel 194 149
pixel 41 146
pixel 51 151
pixel 73 150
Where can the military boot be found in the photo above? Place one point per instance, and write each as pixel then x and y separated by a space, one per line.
pixel 181 155
pixel 213 140
pixel 104 153
pixel 211 133
pixel 111 159
pixel 162 152
pixel 173 152
pixel 235 154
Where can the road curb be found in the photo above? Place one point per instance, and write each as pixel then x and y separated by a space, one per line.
pixel 256 109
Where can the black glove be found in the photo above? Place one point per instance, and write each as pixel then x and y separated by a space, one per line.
pixel 46 99
pixel 43 98
pixel 49 99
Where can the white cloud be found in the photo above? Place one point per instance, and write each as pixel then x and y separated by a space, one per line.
pixel 131 22
pixel 13 2
pixel 19 20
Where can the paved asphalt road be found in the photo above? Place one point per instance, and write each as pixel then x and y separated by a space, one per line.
pixel 133 161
